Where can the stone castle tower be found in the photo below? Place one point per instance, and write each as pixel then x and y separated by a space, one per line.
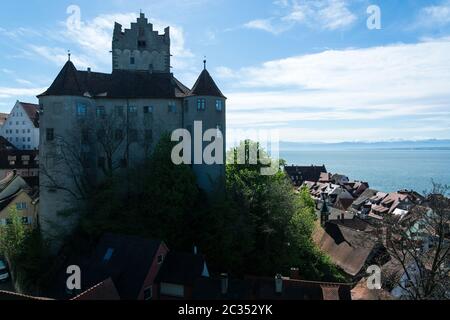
pixel 140 101
pixel 141 48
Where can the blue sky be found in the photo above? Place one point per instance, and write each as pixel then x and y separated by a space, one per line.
pixel 310 69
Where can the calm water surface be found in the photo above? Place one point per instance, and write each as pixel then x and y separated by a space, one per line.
pixel 385 170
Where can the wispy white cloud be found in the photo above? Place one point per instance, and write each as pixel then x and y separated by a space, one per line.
pixel 8 92
pixel 325 14
pixel 90 42
pixel 400 83
pixel 435 14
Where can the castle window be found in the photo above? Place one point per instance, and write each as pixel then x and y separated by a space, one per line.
pixel 148 109
pixel 132 60
pixel 101 113
pixel 81 110
pixel 219 105
pixel 132 109
pixel 119 111
pixel 141 44
pixel 50 134
pixel 172 108
pixel 201 104
pixel 21 206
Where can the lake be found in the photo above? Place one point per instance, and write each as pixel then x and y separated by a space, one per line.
pixel 384 169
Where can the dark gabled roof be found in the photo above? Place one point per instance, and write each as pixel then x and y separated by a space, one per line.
pixel 264 289
pixel 128 265
pixel 254 288
pixel 366 195
pixel 211 289
pixel 66 83
pixel 181 268
pixel 118 84
pixel 32 111
pixel 205 86
pixel 6 145
pixel 4 203
pixel 348 248
pixel 299 174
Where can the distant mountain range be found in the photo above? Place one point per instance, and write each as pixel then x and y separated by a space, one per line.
pixel 393 145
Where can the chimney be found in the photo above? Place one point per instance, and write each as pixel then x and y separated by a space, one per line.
pixel 278 284
pixel 224 283
pixel 295 273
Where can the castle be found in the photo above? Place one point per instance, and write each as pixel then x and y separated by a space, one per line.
pixel 93 123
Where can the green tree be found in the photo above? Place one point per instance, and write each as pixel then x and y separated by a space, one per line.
pixel 12 237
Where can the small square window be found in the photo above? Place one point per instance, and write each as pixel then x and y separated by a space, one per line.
pixel 50 134
pixel 148 109
pixel 160 259
pixel 119 111
pixel 219 105
pixel 81 109
pixel 201 104
pixel 100 112
pixel 141 44
pixel 132 109
pixel 172 108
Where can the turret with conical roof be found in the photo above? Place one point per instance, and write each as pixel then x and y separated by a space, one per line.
pixel 205 103
pixel 66 83
pixel 205 86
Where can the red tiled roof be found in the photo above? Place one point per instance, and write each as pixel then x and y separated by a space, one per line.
pixel 32 111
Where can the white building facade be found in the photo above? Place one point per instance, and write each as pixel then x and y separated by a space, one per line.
pixel 21 128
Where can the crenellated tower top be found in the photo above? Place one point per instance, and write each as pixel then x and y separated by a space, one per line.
pixel 140 48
